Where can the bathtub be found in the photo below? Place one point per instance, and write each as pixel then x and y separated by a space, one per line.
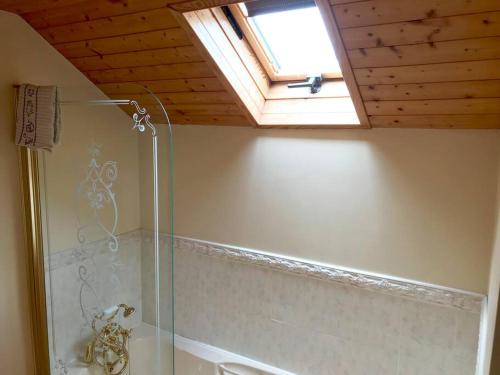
pixel 191 358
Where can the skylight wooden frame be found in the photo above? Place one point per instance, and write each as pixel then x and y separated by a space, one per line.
pixel 260 51
pixel 271 104
pixel 273 89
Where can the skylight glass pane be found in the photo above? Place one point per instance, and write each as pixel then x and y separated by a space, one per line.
pixel 297 41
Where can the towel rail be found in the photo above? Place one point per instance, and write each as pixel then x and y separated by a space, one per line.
pixel 91 102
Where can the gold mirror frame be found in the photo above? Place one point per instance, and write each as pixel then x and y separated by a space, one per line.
pixel 30 183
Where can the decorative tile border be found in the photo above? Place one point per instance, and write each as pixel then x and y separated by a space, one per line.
pixel 377 283
pixel 79 254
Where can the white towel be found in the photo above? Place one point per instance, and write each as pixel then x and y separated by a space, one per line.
pixel 38 117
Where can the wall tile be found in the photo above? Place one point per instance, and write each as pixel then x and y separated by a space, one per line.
pixel 312 326
pixel 102 279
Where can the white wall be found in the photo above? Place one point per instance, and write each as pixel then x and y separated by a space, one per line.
pixel 418 204
pixel 27 57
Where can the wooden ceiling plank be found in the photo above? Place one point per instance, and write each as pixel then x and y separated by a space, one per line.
pixel 41 7
pixel 444 72
pixel 162 86
pixel 193 118
pixel 24 6
pixel 172 71
pixel 438 90
pixel 219 97
pixel 206 109
pixel 338 2
pixel 140 58
pixel 478 121
pixel 434 107
pixel 374 12
pixel 428 30
pixel 89 10
pixel 189 110
pixel 192 5
pixel 157 19
pixel 427 53
pixel 175 37
pixel 211 120
pixel 203 109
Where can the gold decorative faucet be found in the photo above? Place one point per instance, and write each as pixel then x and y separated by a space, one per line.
pixel 109 347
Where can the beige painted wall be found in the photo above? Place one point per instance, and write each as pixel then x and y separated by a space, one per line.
pixel 26 57
pixel 417 204
pixel 491 340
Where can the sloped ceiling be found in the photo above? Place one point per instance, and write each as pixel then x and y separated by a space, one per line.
pixel 427 63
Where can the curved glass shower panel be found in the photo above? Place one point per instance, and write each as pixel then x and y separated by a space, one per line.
pixel 157 223
pixel 107 243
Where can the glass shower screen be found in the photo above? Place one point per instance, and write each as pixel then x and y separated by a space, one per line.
pixel 107 235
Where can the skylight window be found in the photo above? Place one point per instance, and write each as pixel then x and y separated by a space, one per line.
pixel 278 57
pixel 288 37
pixel 296 41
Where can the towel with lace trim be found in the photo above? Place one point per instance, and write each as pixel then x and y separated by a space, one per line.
pixel 38 117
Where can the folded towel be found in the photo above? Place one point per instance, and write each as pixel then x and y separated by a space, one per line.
pixel 38 117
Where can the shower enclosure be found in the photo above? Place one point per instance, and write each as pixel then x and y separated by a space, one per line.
pixel 106 235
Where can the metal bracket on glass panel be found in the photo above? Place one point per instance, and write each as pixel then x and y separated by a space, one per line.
pixel 141 118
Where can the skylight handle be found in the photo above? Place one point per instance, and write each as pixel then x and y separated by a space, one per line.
pixel 313 81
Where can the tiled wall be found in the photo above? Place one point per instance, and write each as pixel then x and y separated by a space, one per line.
pixel 312 326
pixel 302 318
pixel 84 281
pixel 148 282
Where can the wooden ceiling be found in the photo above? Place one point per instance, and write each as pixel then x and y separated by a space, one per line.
pixel 423 64
pixel 427 63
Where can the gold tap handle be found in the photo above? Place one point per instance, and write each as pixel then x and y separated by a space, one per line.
pixel 89 353
pixel 112 339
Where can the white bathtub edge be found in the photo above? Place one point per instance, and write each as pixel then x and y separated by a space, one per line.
pixel 205 351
